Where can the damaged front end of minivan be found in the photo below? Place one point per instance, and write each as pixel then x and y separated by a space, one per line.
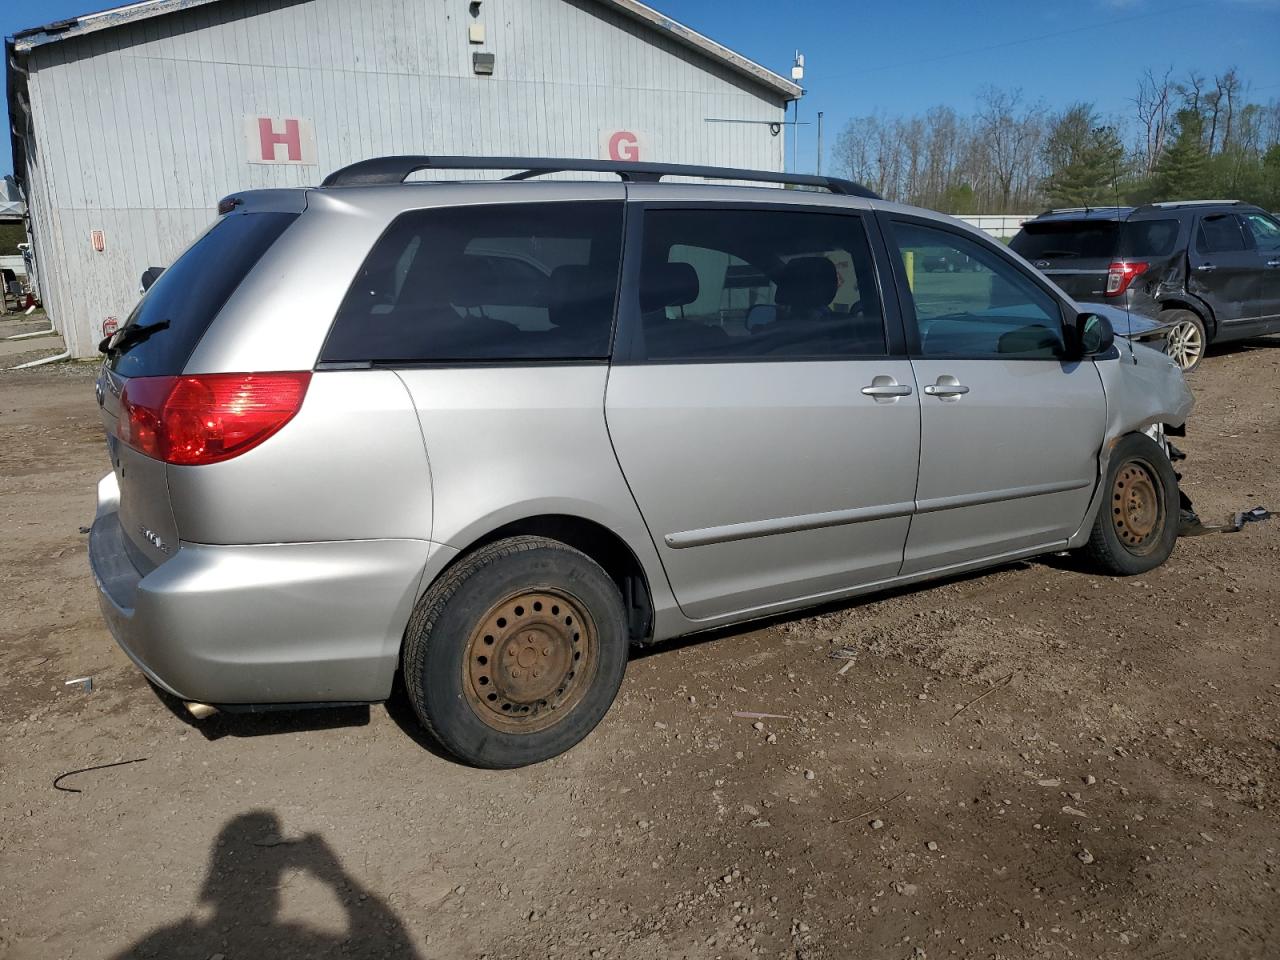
pixel 1146 393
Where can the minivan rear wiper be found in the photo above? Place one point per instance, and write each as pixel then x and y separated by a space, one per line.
pixel 130 337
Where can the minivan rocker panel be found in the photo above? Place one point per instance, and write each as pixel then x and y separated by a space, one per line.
pixel 684 461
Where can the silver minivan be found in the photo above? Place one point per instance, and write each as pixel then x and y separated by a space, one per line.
pixel 485 436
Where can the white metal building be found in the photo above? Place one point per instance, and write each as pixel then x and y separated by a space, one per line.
pixel 128 125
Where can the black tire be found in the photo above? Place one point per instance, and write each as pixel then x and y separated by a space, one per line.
pixel 1140 491
pixel 475 643
pixel 1188 338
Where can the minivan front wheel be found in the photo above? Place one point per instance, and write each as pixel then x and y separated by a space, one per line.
pixel 1137 523
pixel 516 652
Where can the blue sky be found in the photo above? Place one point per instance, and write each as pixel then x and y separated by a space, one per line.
pixel 900 57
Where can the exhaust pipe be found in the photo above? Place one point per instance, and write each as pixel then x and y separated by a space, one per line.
pixel 199 711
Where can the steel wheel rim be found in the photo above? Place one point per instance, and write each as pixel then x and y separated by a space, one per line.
pixel 1186 345
pixel 530 660
pixel 1137 506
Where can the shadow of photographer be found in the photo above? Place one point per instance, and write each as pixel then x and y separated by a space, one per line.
pixel 248 867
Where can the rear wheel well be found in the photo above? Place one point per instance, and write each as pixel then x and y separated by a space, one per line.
pixel 1210 325
pixel 604 547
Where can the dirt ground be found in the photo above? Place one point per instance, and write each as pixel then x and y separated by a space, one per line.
pixel 1114 792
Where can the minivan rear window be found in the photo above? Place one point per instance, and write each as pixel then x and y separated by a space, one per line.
pixel 490 283
pixel 174 314
pixel 1096 239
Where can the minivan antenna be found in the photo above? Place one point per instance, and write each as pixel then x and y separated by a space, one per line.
pixel 1121 236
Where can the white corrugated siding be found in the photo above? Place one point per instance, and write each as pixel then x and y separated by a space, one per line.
pixel 139 129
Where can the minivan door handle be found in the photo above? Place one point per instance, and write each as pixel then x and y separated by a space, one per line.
pixel 885 388
pixel 1206 268
pixel 947 388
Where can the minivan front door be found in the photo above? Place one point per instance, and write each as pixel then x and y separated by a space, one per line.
pixel 1009 432
pixel 761 408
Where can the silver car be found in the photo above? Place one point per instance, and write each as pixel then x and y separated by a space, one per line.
pixel 487 435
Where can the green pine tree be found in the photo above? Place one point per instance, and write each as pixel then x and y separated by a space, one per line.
pixel 1182 173
pixel 1085 159
pixel 957 200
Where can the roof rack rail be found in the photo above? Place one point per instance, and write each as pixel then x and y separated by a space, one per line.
pixel 1095 209
pixel 383 170
pixel 1166 204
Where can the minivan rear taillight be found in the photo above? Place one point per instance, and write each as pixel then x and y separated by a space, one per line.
pixel 208 417
pixel 1121 273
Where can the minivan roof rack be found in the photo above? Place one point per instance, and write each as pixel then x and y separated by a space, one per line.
pixel 382 170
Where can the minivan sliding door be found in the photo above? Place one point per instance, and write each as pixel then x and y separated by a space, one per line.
pixel 762 409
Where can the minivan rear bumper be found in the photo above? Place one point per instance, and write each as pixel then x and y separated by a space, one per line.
pixel 259 623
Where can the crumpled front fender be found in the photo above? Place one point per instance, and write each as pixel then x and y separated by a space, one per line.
pixel 1143 387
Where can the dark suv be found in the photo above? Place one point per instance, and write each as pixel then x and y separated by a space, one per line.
pixel 1210 268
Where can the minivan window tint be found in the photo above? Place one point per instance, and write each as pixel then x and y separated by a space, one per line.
pixel 169 321
pixel 990 309
pixel 752 284
pixel 1220 234
pixel 528 281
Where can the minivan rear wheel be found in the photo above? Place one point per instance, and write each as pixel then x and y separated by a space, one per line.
pixel 1187 338
pixel 1137 523
pixel 516 652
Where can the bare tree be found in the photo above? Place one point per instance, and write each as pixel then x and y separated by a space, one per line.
pixel 1191 90
pixel 888 155
pixel 1269 126
pixel 912 138
pixel 1213 105
pixel 943 134
pixel 1153 106
pixel 853 150
pixel 1009 155
pixel 1229 89
pixel 1011 133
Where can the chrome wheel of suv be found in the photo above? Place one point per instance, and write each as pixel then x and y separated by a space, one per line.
pixel 1186 340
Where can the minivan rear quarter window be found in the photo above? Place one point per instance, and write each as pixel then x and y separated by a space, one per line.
pixel 175 313
pixel 491 283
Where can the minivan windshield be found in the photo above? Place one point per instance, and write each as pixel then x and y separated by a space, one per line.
pixel 164 328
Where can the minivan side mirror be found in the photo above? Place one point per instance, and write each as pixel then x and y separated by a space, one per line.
pixel 1092 334
pixel 150 276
